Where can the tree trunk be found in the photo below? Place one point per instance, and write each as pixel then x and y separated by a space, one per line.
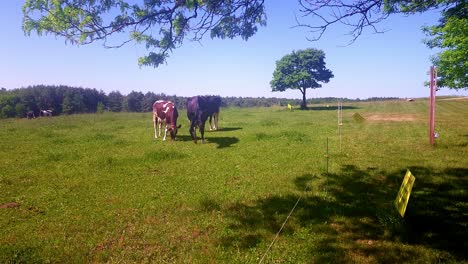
pixel 304 103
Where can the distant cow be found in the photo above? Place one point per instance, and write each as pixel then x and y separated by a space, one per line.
pixel 45 112
pixel 165 111
pixel 30 115
pixel 199 108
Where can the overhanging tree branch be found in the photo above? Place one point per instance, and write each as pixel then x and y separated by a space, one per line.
pixel 85 22
pixel 358 15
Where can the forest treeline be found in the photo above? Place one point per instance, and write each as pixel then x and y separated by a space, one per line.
pixel 72 100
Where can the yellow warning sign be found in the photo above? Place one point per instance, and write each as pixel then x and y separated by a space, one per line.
pixel 402 198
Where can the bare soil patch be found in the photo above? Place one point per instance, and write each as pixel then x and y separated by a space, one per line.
pixel 9 205
pixel 455 98
pixel 391 118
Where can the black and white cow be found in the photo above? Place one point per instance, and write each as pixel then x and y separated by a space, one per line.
pixel 199 108
pixel 165 112
pixel 45 112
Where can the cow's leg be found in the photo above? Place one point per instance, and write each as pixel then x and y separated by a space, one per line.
pixel 165 132
pixel 215 117
pixel 160 126
pixel 192 131
pixel 155 125
pixel 202 131
pixel 211 128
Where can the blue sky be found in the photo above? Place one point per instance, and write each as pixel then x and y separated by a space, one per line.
pixel 393 64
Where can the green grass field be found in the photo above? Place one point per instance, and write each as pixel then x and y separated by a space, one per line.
pixel 100 188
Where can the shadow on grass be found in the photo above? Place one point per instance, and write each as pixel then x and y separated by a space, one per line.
pixel 226 129
pixel 222 142
pixel 350 217
pixel 20 254
pixel 329 108
pixel 183 138
pixel 438 215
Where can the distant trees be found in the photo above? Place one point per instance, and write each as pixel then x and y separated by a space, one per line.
pixel 134 102
pixel 8 105
pixel 114 101
pixel 301 70
pixel 100 108
pixel 72 100
pixel 59 99
pixel 148 100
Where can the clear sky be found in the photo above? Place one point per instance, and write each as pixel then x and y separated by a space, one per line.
pixel 393 64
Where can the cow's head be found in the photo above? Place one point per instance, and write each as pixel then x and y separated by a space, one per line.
pixel 173 131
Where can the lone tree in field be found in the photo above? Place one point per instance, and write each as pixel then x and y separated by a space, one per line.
pixel 301 70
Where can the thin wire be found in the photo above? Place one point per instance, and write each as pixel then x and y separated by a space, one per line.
pixel 284 223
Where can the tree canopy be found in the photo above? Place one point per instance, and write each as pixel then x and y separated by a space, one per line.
pixel 160 25
pixel 451 37
pixel 301 70
pixel 359 15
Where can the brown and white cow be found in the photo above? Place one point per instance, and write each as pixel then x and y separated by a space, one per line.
pixel 165 112
pixel 199 108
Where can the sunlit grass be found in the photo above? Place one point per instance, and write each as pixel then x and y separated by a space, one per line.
pixel 100 188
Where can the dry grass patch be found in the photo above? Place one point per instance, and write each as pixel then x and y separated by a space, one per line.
pixel 9 205
pixel 391 117
pixel 455 98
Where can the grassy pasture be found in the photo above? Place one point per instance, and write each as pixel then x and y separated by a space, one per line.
pixel 100 188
